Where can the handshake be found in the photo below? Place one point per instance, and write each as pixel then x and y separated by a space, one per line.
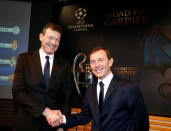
pixel 53 117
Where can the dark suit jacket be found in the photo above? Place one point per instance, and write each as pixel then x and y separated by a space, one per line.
pixel 31 95
pixel 123 109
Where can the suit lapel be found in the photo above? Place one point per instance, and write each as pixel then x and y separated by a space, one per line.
pixel 55 68
pixel 94 95
pixel 111 88
pixel 95 101
pixel 37 65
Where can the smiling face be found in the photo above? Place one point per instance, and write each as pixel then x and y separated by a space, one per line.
pixel 100 64
pixel 50 41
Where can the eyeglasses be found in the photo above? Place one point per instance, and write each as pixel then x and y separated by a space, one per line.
pixel 51 38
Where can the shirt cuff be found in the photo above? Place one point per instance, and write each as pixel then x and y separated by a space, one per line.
pixel 64 119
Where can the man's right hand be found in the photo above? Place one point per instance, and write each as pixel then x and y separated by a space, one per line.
pixel 53 117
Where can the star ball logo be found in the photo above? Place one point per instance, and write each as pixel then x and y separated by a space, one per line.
pixel 80 23
pixel 80 13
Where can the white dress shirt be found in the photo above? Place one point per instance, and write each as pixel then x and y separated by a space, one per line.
pixel 106 81
pixel 43 60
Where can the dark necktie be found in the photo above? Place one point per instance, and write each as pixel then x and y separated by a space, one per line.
pixel 46 71
pixel 101 96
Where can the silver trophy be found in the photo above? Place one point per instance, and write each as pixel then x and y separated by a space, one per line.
pixel 82 74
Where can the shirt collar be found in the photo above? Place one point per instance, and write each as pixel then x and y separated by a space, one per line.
pixel 107 79
pixel 43 54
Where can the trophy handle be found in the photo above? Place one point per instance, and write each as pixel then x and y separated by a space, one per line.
pixel 81 67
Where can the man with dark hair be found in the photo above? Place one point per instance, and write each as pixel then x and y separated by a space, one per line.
pixel 112 103
pixel 41 84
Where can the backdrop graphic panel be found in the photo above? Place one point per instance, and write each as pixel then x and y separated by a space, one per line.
pixel 14 32
pixel 132 35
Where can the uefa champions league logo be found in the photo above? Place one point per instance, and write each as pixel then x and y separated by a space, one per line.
pixel 80 23
pixel 80 13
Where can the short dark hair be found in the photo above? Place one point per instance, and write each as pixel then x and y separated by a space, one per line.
pixel 101 48
pixel 52 26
